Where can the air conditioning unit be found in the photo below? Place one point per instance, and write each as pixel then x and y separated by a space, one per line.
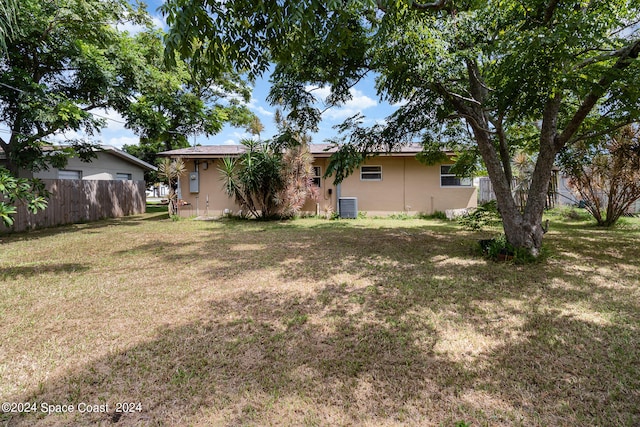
pixel 348 207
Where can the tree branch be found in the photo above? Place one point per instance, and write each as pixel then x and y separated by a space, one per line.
pixel 504 148
pixel 626 59
pixel 435 5
pixel 603 57
pixel 582 137
pixel 548 13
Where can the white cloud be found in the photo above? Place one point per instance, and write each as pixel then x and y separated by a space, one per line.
pixel 229 142
pixel 253 105
pixel 122 140
pixel 400 104
pixel 321 93
pixel 114 121
pixel 357 104
pixel 63 137
pixel 264 111
pixel 157 22
pixel 240 135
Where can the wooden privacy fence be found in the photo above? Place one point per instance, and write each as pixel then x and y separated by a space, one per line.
pixel 75 201
pixel 486 194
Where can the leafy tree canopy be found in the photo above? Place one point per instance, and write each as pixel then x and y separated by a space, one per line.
pixel 175 102
pixel 496 76
pixel 68 58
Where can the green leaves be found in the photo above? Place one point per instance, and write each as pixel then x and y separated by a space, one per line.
pixel 7 22
pixel 269 180
pixel 31 192
pixel 66 59
pixel 175 102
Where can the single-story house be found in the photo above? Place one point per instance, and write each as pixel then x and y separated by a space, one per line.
pixel 111 163
pixel 384 184
pixel 111 185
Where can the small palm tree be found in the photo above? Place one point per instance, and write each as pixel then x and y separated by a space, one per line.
pixel 170 172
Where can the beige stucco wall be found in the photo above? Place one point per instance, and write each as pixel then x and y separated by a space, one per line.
pixel 326 201
pixel 104 167
pixel 211 189
pixel 406 186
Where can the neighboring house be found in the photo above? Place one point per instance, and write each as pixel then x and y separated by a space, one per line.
pixel 110 164
pixel 111 185
pixel 566 196
pixel 387 183
pixel 570 197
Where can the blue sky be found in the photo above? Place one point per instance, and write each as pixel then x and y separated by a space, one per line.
pixel 364 101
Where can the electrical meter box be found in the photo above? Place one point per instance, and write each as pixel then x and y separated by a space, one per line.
pixel 194 182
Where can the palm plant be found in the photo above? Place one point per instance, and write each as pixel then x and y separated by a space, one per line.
pixel 298 176
pixel 269 182
pixel 170 172
pixel 523 166
pixel 606 174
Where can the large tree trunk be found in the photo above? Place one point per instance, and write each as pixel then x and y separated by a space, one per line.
pixel 522 229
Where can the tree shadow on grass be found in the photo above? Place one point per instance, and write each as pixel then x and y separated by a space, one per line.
pixel 568 371
pixel 251 358
pixel 125 221
pixel 403 326
pixel 329 359
pixel 69 228
pixel 28 271
pixel 156 216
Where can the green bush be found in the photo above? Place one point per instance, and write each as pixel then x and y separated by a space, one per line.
pixel 436 215
pixel 499 249
pixel 485 215
pixel 569 213
pixel 401 216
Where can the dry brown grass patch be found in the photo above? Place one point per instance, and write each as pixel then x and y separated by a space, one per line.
pixel 369 322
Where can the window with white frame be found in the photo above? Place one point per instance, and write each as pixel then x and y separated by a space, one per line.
pixel 317 176
pixel 69 174
pixel 123 176
pixel 371 173
pixel 448 179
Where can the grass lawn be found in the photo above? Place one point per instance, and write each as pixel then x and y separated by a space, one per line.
pixel 313 322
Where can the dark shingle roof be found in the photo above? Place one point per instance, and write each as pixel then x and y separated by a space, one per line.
pixel 318 150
